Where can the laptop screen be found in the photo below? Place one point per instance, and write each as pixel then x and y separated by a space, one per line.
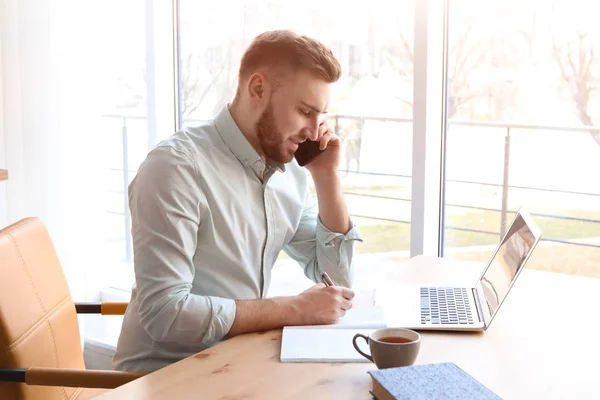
pixel 509 259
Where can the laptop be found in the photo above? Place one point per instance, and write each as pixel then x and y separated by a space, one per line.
pixel 472 308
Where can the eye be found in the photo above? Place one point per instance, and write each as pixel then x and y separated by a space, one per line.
pixel 305 113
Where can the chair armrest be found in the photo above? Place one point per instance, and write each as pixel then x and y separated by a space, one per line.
pixel 68 377
pixel 104 308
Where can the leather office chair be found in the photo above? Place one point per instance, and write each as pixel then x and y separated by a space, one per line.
pixel 41 355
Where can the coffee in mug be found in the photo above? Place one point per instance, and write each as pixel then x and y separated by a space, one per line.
pixel 395 339
pixel 391 347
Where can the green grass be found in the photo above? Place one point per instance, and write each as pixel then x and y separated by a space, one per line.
pixel 391 236
pixel 383 238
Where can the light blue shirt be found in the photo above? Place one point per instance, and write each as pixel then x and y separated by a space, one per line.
pixel 207 230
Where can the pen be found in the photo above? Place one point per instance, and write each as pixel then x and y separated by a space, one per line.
pixel 327 280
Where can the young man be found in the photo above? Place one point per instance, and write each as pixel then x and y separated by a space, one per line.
pixel 213 206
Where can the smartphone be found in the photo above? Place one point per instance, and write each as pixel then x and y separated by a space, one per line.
pixel 307 151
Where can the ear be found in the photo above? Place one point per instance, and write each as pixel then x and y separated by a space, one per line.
pixel 259 89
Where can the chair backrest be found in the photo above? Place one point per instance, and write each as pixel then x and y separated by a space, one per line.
pixel 38 321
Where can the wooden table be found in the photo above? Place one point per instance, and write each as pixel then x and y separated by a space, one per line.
pixel 543 343
pixel 3 174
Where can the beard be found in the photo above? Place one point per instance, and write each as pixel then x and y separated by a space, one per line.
pixel 270 138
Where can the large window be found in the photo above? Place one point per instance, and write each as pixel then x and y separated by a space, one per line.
pixel 371 105
pixel 138 111
pixel 522 106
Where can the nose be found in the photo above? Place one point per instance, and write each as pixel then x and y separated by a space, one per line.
pixel 314 128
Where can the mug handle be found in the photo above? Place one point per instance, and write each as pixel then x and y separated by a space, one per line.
pixel 368 357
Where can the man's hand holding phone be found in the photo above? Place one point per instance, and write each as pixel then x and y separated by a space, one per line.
pixel 323 155
pixel 323 168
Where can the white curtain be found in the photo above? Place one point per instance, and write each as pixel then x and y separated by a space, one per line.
pixel 50 139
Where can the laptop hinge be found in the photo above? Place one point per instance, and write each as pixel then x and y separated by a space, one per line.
pixel 478 306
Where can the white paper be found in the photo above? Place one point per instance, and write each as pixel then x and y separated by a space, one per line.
pixel 331 343
pixel 302 344
pixel 364 298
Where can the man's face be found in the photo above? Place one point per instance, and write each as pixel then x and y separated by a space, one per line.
pixel 292 116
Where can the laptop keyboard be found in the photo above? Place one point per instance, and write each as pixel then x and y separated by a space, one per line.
pixel 440 305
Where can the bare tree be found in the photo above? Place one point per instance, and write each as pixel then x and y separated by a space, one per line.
pixel 198 79
pixel 371 52
pixel 466 56
pixel 227 85
pixel 193 90
pixel 402 61
pixel 528 32
pixel 579 72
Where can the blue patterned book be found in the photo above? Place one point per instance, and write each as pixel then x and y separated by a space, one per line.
pixel 428 381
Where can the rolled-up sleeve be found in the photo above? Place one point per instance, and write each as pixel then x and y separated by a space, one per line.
pixel 166 204
pixel 318 249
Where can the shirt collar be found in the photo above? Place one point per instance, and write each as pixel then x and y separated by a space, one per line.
pixel 240 146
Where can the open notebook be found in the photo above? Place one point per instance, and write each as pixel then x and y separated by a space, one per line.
pixel 331 343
